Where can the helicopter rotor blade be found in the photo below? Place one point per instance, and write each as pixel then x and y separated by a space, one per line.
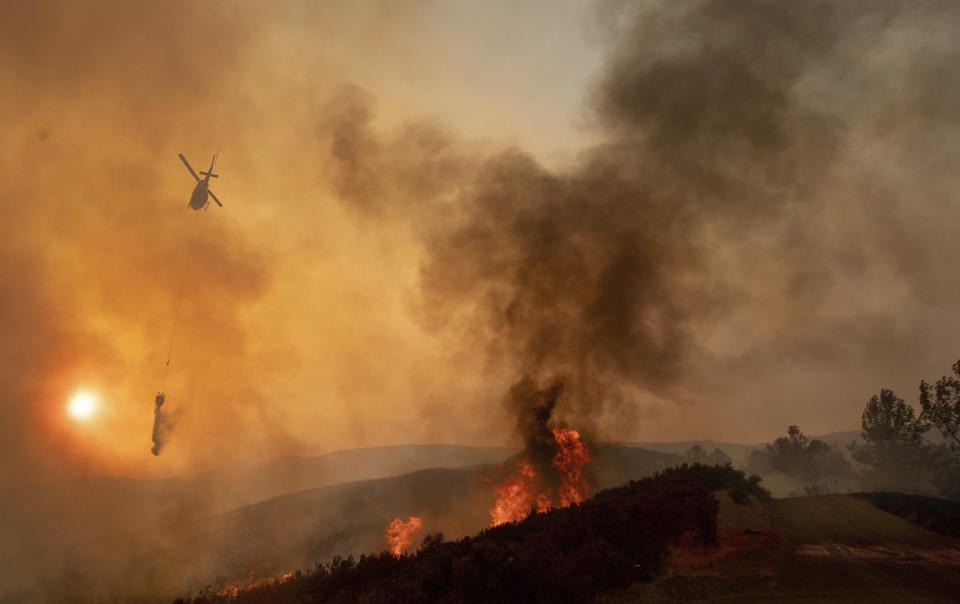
pixel 214 198
pixel 184 160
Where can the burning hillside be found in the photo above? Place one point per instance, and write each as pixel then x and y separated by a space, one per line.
pixel 524 490
pixel 550 472
pixel 571 554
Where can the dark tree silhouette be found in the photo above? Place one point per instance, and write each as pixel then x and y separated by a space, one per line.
pixel 887 419
pixel 893 448
pixel 940 406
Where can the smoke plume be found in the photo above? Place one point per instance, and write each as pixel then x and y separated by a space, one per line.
pixel 730 206
pixel 533 406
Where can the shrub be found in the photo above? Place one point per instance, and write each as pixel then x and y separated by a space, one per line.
pixel 711 478
pixel 738 495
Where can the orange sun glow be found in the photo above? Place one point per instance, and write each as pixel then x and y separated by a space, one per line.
pixel 82 405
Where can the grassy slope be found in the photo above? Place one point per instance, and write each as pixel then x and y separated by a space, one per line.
pixel 832 548
pixel 932 513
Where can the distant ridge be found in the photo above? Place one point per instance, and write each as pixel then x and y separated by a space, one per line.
pixel 739 451
pixel 246 485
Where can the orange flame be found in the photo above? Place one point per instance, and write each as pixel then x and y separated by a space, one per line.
pixel 570 459
pixel 513 497
pixel 400 534
pixel 232 591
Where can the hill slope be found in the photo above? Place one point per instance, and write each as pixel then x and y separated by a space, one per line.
pixel 167 537
pixel 830 548
pixel 105 535
pixel 299 529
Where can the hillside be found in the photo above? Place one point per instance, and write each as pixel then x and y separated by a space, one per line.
pixel 296 530
pixel 110 534
pixel 564 555
pixel 240 486
pixel 829 548
pixel 177 535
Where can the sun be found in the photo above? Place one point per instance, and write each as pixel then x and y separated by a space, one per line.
pixel 82 405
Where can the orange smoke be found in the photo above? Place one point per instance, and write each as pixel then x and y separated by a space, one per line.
pixel 400 534
pixel 514 498
pixel 570 460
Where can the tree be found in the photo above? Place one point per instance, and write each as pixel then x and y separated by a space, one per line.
pixel 887 419
pixel 719 458
pixel 940 407
pixel 697 454
pixel 894 451
pixel 812 462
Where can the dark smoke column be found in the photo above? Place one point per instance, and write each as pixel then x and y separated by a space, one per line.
pixel 633 273
pixel 533 407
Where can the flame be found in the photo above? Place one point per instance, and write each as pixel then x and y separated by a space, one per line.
pixel 400 534
pixel 232 591
pixel 514 498
pixel 570 459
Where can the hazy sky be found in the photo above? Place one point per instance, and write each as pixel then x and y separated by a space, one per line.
pixel 714 219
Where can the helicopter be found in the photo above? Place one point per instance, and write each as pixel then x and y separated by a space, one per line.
pixel 198 199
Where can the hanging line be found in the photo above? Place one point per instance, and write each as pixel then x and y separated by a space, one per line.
pixel 183 284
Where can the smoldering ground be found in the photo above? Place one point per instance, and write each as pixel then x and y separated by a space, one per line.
pixel 764 230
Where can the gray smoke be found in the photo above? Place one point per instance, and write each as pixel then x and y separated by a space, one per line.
pixel 706 234
pixel 587 274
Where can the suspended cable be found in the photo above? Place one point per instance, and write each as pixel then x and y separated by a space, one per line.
pixel 183 284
